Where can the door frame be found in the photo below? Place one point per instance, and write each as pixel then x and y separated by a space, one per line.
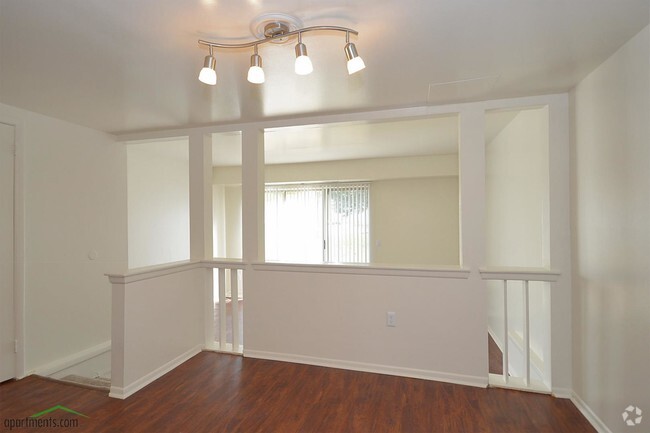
pixel 19 241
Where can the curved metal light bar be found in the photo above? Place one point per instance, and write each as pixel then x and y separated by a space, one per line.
pixel 278 36
pixel 279 32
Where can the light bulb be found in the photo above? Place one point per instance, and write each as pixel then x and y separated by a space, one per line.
pixel 303 62
pixel 256 75
pixel 208 74
pixel 255 72
pixel 355 63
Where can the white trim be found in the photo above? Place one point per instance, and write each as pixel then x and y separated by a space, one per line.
pixel 520 274
pixel 561 392
pixel 224 263
pixel 518 383
pixel 19 241
pixel 459 379
pixel 133 387
pixel 227 349
pixel 593 419
pixel 72 360
pixel 437 272
pixel 378 115
pixel 148 272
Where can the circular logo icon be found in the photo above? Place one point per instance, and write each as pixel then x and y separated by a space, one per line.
pixel 632 415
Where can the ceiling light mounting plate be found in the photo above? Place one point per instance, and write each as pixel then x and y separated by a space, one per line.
pixel 272 25
pixel 277 28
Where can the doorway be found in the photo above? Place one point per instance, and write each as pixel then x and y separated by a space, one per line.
pixel 7 311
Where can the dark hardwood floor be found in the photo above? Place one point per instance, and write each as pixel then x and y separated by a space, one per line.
pixel 223 393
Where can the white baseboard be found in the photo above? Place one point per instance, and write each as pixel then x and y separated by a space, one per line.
pixel 593 419
pixel 72 360
pixel 132 388
pixel 562 392
pixel 459 379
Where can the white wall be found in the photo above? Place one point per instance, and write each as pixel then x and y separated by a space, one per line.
pixel 226 222
pixel 611 235
pixel 517 228
pixel 219 233
pixel 340 320
pixel 158 203
pixel 517 192
pixel 349 170
pixel 74 208
pixel 415 221
pixel 146 343
pixel 233 219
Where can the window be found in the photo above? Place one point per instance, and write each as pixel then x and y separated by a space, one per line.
pixel 318 223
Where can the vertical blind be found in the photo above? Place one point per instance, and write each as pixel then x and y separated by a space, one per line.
pixel 318 223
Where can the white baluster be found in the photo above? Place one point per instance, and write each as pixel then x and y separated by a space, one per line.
pixel 526 334
pixel 234 293
pixel 506 374
pixel 222 309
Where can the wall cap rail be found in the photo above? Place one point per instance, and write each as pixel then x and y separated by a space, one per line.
pixel 433 272
pixel 519 273
pixel 145 273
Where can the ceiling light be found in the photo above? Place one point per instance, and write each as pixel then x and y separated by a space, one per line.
pixel 255 72
pixel 355 63
pixel 208 74
pixel 303 62
pixel 280 31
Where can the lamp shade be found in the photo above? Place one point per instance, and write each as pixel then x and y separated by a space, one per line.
pixel 208 74
pixel 303 62
pixel 355 63
pixel 255 72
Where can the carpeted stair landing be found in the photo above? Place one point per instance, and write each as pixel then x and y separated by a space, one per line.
pixel 99 383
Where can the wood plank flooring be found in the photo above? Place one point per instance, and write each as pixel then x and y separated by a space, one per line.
pixel 224 393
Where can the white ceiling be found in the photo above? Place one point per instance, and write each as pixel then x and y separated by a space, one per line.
pixel 130 65
pixel 356 140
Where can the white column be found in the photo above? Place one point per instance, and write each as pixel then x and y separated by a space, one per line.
pixel 560 244
pixel 200 165
pixel 118 325
pixel 200 196
pixel 252 195
pixel 471 162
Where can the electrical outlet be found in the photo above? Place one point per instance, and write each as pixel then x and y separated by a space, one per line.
pixel 391 319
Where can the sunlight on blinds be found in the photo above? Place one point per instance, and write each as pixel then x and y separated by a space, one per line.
pixel 294 223
pixel 317 223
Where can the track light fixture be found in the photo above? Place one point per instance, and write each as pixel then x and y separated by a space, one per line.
pixel 255 72
pixel 355 63
pixel 303 62
pixel 280 32
pixel 208 74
